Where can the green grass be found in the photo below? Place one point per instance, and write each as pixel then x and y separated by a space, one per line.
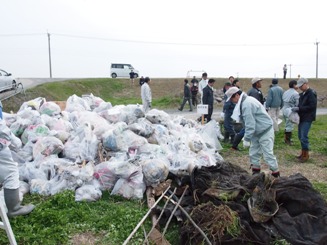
pixel 57 218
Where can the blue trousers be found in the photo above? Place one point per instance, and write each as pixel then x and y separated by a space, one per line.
pixel 303 131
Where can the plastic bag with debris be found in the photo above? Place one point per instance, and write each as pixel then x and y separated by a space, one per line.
pixel 87 193
pixel 98 124
pixel 103 172
pixel 50 108
pixel 47 146
pixel 155 171
pixel 123 141
pixel 93 101
pixel 40 187
pixel 142 127
pixel 131 113
pixel 32 132
pixel 19 126
pixel 158 117
pixel 132 186
pixel 34 104
pixel 71 177
pixel 76 103
pixel 82 145
pixel 210 134
pixel 28 171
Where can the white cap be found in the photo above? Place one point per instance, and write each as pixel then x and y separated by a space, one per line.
pixel 255 79
pixel 229 93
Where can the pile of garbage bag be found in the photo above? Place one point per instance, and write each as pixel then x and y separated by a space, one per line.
pixel 93 146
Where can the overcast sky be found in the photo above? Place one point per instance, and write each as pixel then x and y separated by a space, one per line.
pixel 163 38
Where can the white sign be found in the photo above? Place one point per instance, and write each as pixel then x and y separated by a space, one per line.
pixel 202 109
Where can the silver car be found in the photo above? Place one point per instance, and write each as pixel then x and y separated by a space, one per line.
pixel 7 82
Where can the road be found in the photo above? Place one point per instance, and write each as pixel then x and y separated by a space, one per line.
pixel 32 82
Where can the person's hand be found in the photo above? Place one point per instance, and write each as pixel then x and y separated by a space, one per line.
pixel 295 109
pixel 149 104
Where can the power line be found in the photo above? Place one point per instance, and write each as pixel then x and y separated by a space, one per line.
pixel 158 42
pixel 177 43
pixel 17 35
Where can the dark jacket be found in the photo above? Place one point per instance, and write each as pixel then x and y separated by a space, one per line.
pixel 187 91
pixel 308 106
pixel 194 90
pixel 207 98
pixel 256 93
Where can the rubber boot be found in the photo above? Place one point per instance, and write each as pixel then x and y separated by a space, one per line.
pixel 13 203
pixel 300 156
pixel 232 137
pixel 275 174
pixel 255 171
pixel 305 156
pixel 237 140
pixel 288 137
pixel 226 137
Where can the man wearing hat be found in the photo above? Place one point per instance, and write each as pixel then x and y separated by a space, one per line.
pixel 255 90
pixel 307 111
pixel 274 102
pixel 258 129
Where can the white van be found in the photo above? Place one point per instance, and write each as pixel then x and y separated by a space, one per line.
pixel 122 70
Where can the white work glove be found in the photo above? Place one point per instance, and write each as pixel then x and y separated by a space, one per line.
pixel 246 144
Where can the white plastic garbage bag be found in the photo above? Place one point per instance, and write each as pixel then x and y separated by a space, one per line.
pixel 87 193
pixel 155 171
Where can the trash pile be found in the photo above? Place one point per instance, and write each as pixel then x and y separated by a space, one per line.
pixel 92 146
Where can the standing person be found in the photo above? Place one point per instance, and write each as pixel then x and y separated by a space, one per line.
pixel 290 100
pixel 9 174
pixel 131 76
pixel 187 96
pixel 194 92
pixel 239 136
pixel 202 84
pixel 146 95
pixel 225 88
pixel 229 131
pixel 284 71
pixel 255 90
pixel 231 79
pixel 258 129
pixel 208 98
pixel 194 80
pixel 274 102
pixel 236 83
pixel 307 111
pixel 141 81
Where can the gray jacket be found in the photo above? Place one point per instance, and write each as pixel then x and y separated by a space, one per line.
pixel 255 118
pixel 275 97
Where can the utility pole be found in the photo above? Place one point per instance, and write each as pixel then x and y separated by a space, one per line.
pixel 49 54
pixel 290 70
pixel 316 43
